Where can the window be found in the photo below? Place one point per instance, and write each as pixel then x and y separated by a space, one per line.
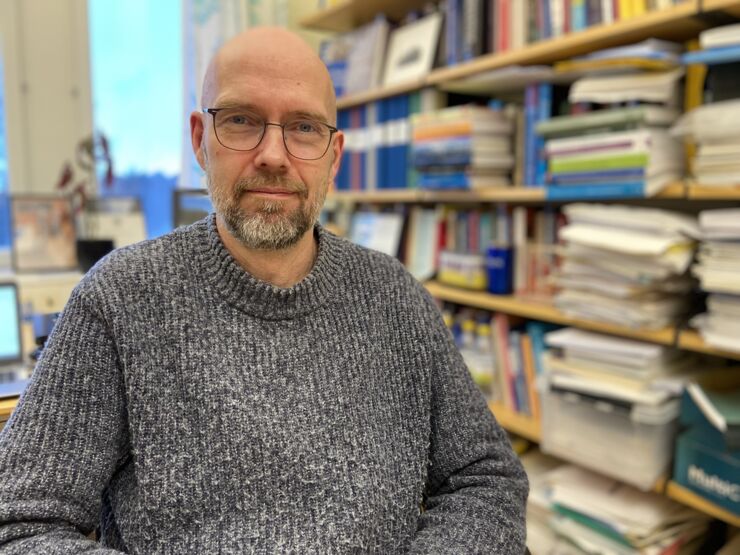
pixel 136 75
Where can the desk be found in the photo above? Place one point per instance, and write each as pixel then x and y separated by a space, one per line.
pixel 7 406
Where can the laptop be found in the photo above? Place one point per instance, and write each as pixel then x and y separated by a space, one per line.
pixel 11 350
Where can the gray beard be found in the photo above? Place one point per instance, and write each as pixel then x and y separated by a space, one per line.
pixel 270 227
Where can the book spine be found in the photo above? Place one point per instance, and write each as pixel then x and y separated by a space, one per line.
pixel 472 29
pixel 593 12
pixel 530 376
pixel 578 15
pixel 603 191
pixel 530 143
pixel 517 373
pixel 544 111
pixel 594 163
pixel 453 11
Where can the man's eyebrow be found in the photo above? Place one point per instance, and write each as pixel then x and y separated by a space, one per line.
pixel 310 115
pixel 229 104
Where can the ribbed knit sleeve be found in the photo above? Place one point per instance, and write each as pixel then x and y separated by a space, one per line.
pixel 476 491
pixel 64 441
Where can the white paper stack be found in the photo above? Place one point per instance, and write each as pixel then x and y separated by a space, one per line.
pixel 625 265
pixel 540 537
pixel 616 368
pixel 715 129
pixel 603 516
pixel 718 270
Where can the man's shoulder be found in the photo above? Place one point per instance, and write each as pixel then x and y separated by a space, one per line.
pixel 149 258
pixel 369 263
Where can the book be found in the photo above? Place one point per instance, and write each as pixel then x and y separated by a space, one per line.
pixel 600 119
pixel 710 56
pixel 725 35
pixel 721 408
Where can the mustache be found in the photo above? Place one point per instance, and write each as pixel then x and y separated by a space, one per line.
pixel 266 182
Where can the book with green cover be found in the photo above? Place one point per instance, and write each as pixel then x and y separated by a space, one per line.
pixel 593 163
pixel 606 119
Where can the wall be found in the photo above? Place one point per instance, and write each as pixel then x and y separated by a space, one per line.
pixel 47 79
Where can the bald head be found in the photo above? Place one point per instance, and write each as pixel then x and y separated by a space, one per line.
pixel 274 54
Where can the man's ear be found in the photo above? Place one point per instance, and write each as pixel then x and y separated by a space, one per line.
pixel 337 149
pixel 197 131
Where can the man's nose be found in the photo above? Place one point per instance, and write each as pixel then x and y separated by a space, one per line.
pixel 271 151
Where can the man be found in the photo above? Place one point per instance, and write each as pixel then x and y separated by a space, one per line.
pixel 252 383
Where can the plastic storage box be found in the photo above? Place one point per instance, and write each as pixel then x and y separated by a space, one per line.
pixel 630 442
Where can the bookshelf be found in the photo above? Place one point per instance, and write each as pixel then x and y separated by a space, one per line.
pixel 701 192
pixel 540 311
pixel 679 22
pixel 731 7
pixel 534 310
pixel 674 23
pixel 517 423
pixel 689 498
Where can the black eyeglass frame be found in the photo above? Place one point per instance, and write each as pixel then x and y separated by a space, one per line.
pixel 214 111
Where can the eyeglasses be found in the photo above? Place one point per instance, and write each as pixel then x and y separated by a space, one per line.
pixel 239 129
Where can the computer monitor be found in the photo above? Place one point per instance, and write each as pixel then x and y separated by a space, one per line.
pixel 10 325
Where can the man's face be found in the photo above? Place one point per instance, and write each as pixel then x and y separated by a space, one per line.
pixel 267 198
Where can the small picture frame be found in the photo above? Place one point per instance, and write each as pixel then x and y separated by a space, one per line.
pixel 44 233
pixel 412 49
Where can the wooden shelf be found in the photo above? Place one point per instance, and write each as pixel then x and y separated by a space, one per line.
pixel 381 196
pixel 704 192
pixel 692 341
pixel 375 94
pixel 691 499
pixel 7 406
pixel 728 6
pixel 494 194
pixel 517 423
pixel 350 14
pixel 539 311
pixel 675 23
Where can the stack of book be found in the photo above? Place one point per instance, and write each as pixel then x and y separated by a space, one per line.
pixel 715 129
pixel 718 267
pixel 594 514
pixel 624 148
pixel 625 265
pixel 604 365
pixel 462 147
pixel 607 398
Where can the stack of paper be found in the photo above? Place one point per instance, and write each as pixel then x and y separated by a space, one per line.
pixel 540 537
pixel 718 268
pixel 599 515
pixel 616 368
pixel 715 128
pixel 625 265
pixel 462 147
pixel 650 54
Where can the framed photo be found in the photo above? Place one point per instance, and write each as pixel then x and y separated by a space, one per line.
pixel 44 235
pixel 412 49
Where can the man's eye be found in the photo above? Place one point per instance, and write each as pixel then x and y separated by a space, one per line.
pixel 305 126
pixel 242 119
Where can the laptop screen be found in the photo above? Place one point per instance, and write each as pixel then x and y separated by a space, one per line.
pixel 10 324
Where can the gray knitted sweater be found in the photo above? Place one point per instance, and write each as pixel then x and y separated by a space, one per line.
pixel 188 408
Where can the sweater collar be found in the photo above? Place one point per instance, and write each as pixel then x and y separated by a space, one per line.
pixel 259 298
